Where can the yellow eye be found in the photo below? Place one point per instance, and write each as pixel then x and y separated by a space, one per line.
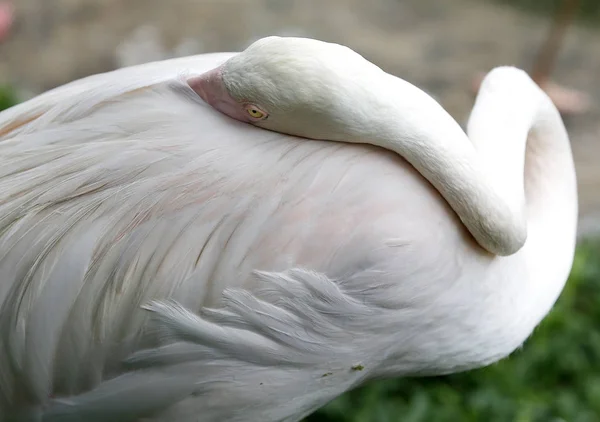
pixel 255 112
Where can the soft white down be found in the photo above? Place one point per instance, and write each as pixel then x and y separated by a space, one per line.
pixel 160 261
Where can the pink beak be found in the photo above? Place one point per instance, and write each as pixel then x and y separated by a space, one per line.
pixel 210 87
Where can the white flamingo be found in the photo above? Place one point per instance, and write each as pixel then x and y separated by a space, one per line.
pixel 275 272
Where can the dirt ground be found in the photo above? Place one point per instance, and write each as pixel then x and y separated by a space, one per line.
pixel 437 45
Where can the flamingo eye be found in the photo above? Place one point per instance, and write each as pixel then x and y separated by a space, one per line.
pixel 255 112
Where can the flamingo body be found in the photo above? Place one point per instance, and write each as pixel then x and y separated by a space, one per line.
pixel 160 261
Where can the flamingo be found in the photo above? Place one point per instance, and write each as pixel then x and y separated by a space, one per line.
pixel 6 20
pixel 246 236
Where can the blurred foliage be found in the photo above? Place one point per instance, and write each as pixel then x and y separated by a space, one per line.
pixel 588 10
pixel 554 377
pixel 7 97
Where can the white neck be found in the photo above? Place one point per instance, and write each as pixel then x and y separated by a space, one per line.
pixel 482 178
pixel 518 131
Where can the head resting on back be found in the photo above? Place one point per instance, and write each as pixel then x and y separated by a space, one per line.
pixel 319 90
pixel 298 86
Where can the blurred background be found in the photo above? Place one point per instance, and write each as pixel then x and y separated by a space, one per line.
pixel 440 46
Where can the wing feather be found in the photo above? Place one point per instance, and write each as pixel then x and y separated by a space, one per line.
pixel 247 338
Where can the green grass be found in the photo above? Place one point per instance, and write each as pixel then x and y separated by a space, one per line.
pixel 554 377
pixel 7 97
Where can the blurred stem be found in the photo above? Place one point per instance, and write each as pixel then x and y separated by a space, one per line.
pixel 546 58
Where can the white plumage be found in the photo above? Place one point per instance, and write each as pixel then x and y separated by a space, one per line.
pixel 160 261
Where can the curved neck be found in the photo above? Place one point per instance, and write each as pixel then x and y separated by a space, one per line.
pixel 516 128
pixel 518 132
pixel 484 186
pixel 482 176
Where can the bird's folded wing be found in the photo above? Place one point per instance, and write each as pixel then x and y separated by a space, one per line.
pixel 105 203
pixel 67 102
pixel 293 331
